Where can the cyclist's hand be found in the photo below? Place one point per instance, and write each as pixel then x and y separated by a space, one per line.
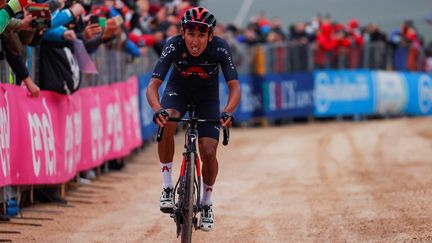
pixel 159 117
pixel 226 119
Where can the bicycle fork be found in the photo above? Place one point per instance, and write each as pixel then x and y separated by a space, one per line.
pixel 197 207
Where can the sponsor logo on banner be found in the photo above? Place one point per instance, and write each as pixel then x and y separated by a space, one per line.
pixel 5 136
pixel 339 89
pixel 391 92
pixel 42 141
pixel 132 118
pixel 425 94
pixel 96 131
pixel 128 117
pixel 135 112
pixel 73 140
pixel 292 98
pixel 272 95
pixel 114 127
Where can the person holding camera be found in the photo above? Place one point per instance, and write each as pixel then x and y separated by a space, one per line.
pixel 13 42
pixel 10 10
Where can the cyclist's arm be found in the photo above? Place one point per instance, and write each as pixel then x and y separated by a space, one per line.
pixel 233 99
pixel 152 93
pixel 234 96
pixel 159 73
pixel 230 74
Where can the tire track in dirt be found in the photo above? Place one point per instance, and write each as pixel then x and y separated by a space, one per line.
pixel 377 188
pixel 328 171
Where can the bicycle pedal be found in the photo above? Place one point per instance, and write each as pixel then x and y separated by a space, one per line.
pixel 167 210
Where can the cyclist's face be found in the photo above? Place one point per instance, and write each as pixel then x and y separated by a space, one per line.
pixel 196 41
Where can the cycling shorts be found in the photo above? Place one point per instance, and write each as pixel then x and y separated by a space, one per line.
pixel 205 108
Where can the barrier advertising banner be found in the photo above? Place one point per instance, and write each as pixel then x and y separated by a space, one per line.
pixel 49 139
pixel 391 92
pixel 288 95
pixel 148 128
pixel 343 93
pixel 247 104
pixel 420 94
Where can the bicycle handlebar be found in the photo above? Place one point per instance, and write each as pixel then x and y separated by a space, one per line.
pixel 189 120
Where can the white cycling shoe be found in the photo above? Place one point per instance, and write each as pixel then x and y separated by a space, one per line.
pixel 206 222
pixel 166 200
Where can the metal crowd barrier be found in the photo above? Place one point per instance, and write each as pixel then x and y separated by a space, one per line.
pixel 292 57
pixel 114 66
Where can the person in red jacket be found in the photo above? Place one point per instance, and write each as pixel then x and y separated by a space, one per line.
pixel 326 45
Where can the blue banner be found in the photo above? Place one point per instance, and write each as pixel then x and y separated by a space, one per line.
pixel 287 95
pixel 246 107
pixel 391 92
pixel 343 93
pixel 148 128
pixel 420 94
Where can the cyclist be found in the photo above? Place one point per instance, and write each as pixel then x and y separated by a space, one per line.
pixel 195 55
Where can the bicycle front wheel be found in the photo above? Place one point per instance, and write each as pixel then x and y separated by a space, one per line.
pixel 186 229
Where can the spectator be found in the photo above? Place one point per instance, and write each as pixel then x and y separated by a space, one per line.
pixel 10 10
pixel 325 46
pixel 428 59
pixel 374 34
pixel 298 35
pixel 276 26
pixel 13 47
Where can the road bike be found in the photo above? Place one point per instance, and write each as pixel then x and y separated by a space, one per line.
pixel 188 187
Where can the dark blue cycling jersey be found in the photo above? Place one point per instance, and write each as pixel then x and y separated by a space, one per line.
pixel 196 75
pixel 195 79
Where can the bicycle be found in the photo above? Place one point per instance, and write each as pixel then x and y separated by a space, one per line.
pixel 188 186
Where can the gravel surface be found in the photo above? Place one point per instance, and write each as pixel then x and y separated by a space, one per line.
pixel 318 182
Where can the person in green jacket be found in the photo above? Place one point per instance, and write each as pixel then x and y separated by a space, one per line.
pixel 9 11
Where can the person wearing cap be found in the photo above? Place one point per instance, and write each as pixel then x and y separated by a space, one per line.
pixel 195 55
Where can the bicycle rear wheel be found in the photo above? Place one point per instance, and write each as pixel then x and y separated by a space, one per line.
pixel 186 229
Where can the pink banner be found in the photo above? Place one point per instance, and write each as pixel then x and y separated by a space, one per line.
pixel 49 139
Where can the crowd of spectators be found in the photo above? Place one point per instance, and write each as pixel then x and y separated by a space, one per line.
pixel 334 42
pixel 56 27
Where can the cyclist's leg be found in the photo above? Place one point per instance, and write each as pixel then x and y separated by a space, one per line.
pixel 208 139
pixel 175 106
pixel 166 145
pixel 207 143
pixel 207 148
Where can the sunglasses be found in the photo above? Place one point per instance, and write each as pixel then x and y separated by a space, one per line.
pixel 193 26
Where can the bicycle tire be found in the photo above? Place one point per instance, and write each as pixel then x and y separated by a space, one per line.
pixel 186 229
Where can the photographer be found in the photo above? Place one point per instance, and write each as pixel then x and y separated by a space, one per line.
pixel 59 69
pixel 17 35
pixel 10 10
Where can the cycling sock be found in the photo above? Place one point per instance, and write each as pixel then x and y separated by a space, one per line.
pixel 166 174
pixel 207 194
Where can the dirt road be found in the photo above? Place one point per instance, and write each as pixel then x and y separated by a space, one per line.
pixel 320 182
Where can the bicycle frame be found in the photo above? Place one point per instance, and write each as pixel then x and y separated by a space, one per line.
pixel 188 186
pixel 190 156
